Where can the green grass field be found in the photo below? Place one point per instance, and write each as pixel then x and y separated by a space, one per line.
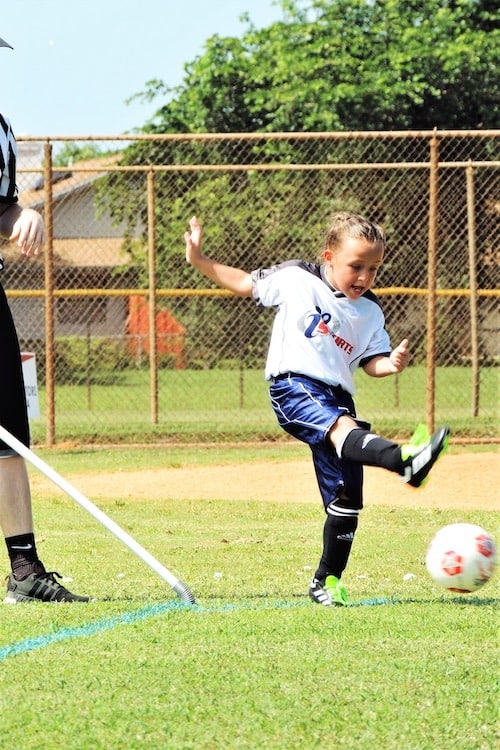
pixel 200 405
pixel 254 665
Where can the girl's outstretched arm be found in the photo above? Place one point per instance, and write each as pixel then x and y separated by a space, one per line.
pixel 234 279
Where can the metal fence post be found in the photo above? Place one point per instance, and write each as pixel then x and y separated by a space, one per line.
pixel 153 339
pixel 49 298
pixel 432 281
pixel 471 234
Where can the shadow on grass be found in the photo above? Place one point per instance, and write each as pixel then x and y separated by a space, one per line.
pixel 463 600
pixel 301 599
pixel 471 601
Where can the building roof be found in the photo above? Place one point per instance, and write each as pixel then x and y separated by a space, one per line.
pixel 64 179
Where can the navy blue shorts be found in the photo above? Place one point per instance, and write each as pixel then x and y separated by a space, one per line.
pixel 307 409
pixel 13 412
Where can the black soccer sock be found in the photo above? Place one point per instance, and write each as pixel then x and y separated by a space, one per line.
pixel 365 447
pixel 338 536
pixel 23 555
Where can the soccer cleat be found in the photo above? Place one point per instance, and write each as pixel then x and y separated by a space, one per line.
pixel 421 453
pixel 41 587
pixel 330 593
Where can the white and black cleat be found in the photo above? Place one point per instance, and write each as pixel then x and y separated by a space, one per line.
pixel 418 465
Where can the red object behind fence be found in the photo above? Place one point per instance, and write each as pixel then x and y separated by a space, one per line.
pixel 170 334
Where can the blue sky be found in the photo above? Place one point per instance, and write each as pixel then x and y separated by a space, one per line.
pixel 76 62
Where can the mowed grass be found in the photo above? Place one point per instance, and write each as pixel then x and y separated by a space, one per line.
pixel 254 664
pixel 205 405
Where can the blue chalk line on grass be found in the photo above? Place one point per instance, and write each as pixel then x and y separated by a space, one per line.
pixel 127 618
pixel 91 628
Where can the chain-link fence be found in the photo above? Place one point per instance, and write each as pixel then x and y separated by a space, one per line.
pixel 132 344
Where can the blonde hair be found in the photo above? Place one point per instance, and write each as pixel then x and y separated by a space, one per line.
pixel 346 224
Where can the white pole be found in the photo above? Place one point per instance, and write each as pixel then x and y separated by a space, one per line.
pixel 180 588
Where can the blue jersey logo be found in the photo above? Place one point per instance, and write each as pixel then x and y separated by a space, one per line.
pixel 319 323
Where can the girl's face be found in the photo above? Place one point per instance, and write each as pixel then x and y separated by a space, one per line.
pixel 352 266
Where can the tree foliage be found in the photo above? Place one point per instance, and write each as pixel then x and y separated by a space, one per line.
pixel 328 65
pixel 344 65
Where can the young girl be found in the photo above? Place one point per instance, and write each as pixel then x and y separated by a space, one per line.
pixel 327 324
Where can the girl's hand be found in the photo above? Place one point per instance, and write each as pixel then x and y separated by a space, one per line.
pixel 400 356
pixel 193 241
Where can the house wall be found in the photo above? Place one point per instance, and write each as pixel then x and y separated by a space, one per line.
pixel 76 216
pixel 73 316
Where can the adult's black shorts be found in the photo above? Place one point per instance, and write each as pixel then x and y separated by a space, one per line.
pixel 13 410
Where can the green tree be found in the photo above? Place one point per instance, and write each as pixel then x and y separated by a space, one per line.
pixel 72 152
pixel 344 65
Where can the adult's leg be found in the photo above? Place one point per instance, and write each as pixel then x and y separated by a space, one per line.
pixel 28 580
pixel 16 515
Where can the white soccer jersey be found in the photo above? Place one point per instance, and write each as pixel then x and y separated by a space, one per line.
pixel 318 331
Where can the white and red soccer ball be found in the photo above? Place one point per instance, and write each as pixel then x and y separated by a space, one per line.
pixel 461 557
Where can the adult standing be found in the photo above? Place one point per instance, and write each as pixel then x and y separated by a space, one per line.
pixel 28 579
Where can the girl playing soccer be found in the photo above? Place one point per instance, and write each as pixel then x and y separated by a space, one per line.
pixel 327 324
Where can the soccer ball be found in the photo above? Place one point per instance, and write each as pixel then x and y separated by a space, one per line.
pixel 461 557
